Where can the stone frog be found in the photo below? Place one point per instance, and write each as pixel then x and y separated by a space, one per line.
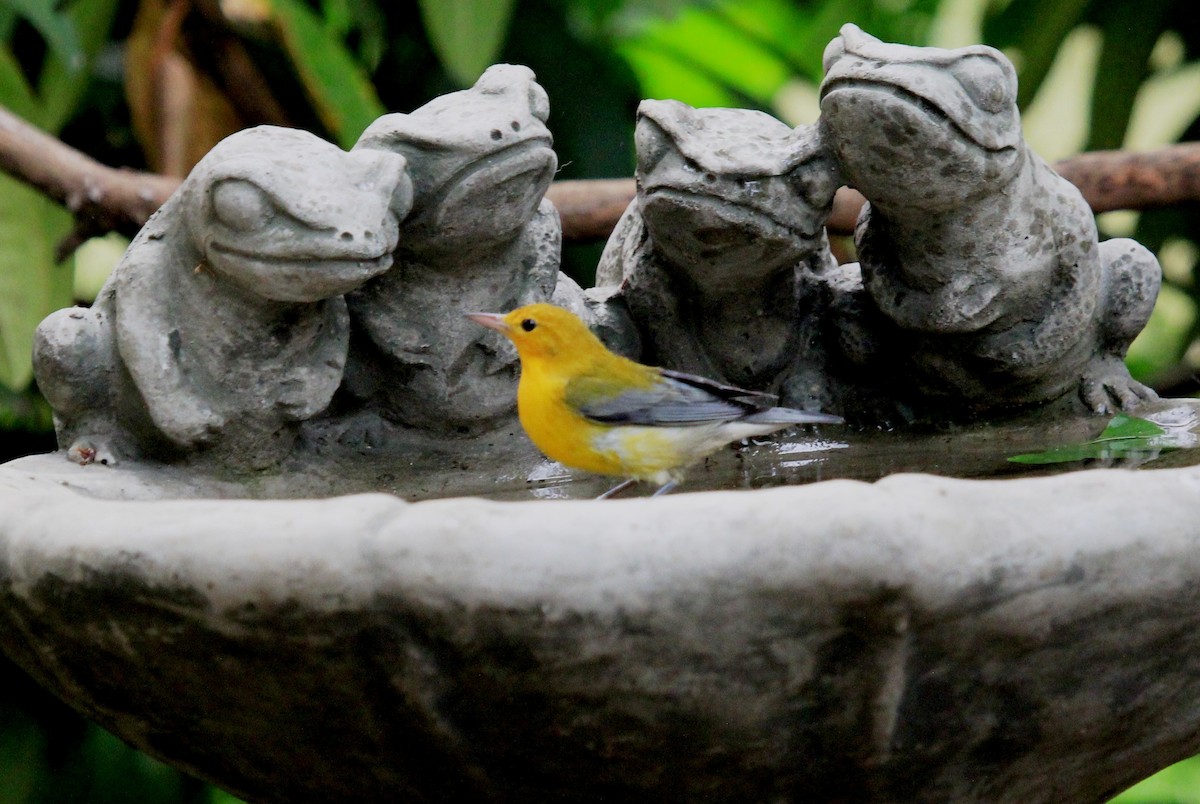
pixel 720 251
pixel 481 237
pixel 224 325
pixel 981 275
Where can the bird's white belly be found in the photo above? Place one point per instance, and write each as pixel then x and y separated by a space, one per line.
pixel 659 454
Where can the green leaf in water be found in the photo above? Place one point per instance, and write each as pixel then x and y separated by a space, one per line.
pixel 1123 435
pixel 1124 426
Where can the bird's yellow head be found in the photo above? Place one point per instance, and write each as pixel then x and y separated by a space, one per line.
pixel 542 331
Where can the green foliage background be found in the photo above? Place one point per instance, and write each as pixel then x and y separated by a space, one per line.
pixel 1094 74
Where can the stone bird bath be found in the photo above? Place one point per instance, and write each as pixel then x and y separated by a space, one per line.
pixel 235 593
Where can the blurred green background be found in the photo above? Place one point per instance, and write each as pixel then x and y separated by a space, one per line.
pixel 152 84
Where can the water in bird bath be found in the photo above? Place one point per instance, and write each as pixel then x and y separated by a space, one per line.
pixel 985 450
pixel 503 465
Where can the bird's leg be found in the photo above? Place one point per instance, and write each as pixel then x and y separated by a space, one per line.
pixel 617 489
pixel 665 488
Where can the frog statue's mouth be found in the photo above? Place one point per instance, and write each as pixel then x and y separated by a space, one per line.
pixel 491 199
pixel 844 92
pixel 300 277
pixel 701 231
pixel 919 127
pixel 898 147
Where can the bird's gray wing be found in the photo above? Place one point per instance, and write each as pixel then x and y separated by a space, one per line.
pixel 677 399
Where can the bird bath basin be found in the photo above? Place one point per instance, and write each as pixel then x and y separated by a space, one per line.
pixel 303 581
pixel 915 638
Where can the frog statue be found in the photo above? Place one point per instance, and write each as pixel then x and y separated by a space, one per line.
pixel 224 326
pixel 480 237
pixel 983 285
pixel 719 253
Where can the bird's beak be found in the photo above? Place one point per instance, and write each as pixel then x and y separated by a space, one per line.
pixel 490 320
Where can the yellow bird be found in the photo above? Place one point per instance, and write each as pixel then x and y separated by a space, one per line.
pixel 586 407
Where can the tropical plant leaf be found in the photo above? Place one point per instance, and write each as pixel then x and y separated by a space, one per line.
pixel 1124 435
pixel 467 35
pixel 65 76
pixel 15 92
pixel 30 227
pixel 1130 33
pixel 706 44
pixel 94 263
pixel 1177 783
pixel 56 28
pixel 1036 28
pixel 661 75
pixel 1163 341
pixel 338 87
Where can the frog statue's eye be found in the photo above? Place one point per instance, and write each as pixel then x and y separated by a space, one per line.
pixel 529 325
pixel 986 82
pixel 539 103
pixel 651 143
pixel 241 205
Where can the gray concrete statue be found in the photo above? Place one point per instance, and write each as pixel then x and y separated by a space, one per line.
pixel 480 237
pixel 717 253
pixel 224 324
pixel 983 285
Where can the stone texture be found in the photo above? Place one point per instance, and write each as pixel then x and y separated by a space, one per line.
pixel 915 639
pixel 223 327
pixel 981 284
pixel 716 256
pixel 481 238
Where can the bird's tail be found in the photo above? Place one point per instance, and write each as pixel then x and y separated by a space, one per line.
pixel 791 416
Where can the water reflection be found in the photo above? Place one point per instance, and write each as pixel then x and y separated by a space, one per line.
pixel 809 455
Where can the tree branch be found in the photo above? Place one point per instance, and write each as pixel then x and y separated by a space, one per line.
pixel 104 199
pixel 1126 180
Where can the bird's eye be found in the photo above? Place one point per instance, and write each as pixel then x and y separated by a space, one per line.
pixel 528 325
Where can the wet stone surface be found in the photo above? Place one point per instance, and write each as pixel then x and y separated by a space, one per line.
pixel 916 638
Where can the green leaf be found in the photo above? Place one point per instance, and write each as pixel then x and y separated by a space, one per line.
pixel 361 19
pixel 1130 33
pixel 27 411
pixel 15 92
pixel 218 796
pixel 94 262
pixel 57 28
pixel 1125 426
pixel 1163 341
pixel 31 284
pixel 662 76
pixel 1124 435
pixel 65 79
pixel 1177 783
pixel 708 45
pixel 338 87
pixel 1036 28
pixel 467 35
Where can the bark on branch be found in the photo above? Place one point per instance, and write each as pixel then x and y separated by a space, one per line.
pixel 105 199
pixel 102 199
pixel 1108 180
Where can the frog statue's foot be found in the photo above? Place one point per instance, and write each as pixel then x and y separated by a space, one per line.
pixel 84 451
pixel 1106 387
